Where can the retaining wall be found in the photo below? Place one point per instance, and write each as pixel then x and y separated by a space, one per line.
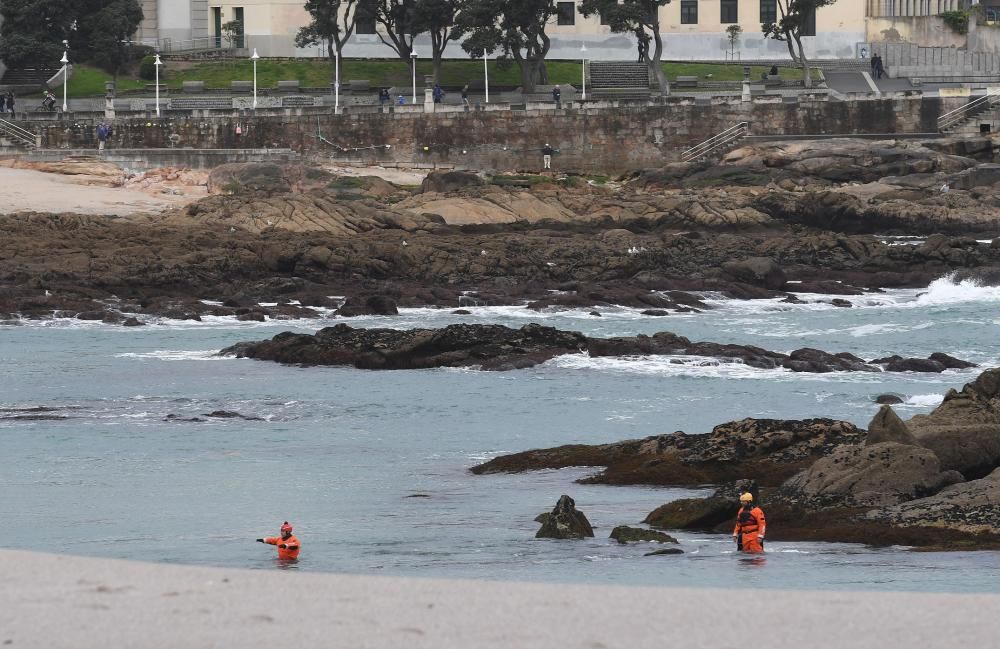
pixel 606 140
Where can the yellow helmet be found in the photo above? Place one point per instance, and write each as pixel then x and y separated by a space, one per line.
pixel 746 498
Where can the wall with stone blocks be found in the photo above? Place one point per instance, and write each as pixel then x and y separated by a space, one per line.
pixel 606 140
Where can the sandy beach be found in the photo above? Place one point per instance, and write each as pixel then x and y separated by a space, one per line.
pixel 60 601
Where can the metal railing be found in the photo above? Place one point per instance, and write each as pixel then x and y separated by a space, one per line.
pixel 16 133
pixel 959 115
pixel 716 142
pixel 171 46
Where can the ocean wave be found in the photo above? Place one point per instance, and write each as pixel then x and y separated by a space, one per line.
pixel 923 400
pixel 176 355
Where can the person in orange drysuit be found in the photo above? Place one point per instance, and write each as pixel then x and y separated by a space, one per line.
pixel 750 526
pixel 288 545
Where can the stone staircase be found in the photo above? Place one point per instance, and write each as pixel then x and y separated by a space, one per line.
pixel 13 135
pixel 619 80
pixel 34 77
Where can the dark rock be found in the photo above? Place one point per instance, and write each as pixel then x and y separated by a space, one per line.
pixel 655 312
pixel 693 513
pixel 372 305
pixel 596 314
pixel 461 312
pixel 90 315
pixel 758 271
pixel 889 399
pixel 253 316
pixel 662 551
pixel 449 181
pixel 886 426
pixel 625 534
pixel 971 507
pixel 565 522
pixel 915 365
pixel 229 414
pixel 113 317
pixel 950 362
pixel 133 322
pixel 173 417
pixel 841 302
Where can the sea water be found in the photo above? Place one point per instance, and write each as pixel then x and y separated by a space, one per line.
pixel 372 467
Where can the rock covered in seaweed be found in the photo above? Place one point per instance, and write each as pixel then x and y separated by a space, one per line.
pixel 565 521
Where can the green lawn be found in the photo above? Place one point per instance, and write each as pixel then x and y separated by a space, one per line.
pixel 88 81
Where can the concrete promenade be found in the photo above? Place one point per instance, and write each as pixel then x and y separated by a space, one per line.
pixel 68 602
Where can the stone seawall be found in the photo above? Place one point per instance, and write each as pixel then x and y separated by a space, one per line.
pixel 594 140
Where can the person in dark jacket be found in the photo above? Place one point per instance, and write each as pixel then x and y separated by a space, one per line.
pixel 557 96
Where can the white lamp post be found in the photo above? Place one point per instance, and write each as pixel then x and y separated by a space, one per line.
pixel 486 74
pixel 413 64
pixel 336 83
pixel 583 55
pixel 157 63
pixel 254 58
pixel 65 61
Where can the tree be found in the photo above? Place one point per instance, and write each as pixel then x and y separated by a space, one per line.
pixel 793 18
pixel 437 18
pixel 332 22
pixel 733 34
pixel 398 26
pixel 639 17
pixel 233 31
pixel 33 30
pixel 104 33
pixel 515 28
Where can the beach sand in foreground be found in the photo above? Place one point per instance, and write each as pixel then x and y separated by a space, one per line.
pixel 60 601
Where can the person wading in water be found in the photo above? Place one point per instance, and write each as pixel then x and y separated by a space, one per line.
pixel 288 545
pixel 750 526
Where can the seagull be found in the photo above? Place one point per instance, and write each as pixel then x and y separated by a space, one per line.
pixel 404 243
pixel 482 253
pixel 945 188
pixel 232 229
pixel 48 293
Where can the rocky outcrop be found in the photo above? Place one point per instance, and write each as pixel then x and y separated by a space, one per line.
pixel 964 431
pixel 872 475
pixel 491 347
pixel 972 507
pixel 886 426
pixel 371 305
pixel 773 450
pixel 449 181
pixel 693 513
pixel 759 271
pixel 625 534
pixel 565 521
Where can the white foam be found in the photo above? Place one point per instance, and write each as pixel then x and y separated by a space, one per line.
pixel 947 291
pixel 924 400
pixel 176 355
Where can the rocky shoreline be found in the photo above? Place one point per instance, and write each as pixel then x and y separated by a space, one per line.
pixel 768 221
pixel 496 347
pixel 931 482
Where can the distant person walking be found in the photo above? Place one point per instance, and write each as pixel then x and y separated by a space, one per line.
pixel 10 104
pixel 401 100
pixel 383 96
pixel 3 103
pixel 547 152
pixel 103 131
pixel 879 70
pixel 557 96
pixel 465 95
pixel 873 62
pixel 288 545
pixel 437 93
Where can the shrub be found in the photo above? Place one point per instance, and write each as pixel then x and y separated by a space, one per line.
pixel 147 68
pixel 957 21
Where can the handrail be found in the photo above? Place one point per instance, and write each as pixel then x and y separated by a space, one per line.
pixel 16 132
pixel 731 134
pixel 956 116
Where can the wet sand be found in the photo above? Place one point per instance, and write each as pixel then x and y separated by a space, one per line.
pixel 58 601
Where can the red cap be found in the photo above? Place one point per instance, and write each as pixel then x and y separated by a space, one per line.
pixel 287 527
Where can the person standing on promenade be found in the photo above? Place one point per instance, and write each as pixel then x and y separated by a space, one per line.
pixel 557 96
pixel 750 526
pixel 465 95
pixel 102 135
pixel 10 104
pixel 547 152
pixel 288 545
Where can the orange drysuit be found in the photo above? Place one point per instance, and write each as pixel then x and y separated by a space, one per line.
pixel 750 525
pixel 291 549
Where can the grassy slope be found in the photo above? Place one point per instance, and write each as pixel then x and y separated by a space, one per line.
pixel 89 81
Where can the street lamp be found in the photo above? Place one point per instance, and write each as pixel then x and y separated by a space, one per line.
pixel 486 73
pixel 413 59
pixel 65 69
pixel 583 55
pixel 254 58
pixel 156 64
pixel 336 83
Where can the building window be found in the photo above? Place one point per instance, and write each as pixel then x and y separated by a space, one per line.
pixel 809 24
pixel 768 12
pixel 566 13
pixel 364 17
pixel 689 12
pixel 728 12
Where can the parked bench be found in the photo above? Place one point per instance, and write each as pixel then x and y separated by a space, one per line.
pixel 686 82
pixel 193 86
pixel 241 86
pixel 291 85
pixel 359 85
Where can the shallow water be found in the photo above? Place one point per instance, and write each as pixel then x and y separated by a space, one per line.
pixel 372 466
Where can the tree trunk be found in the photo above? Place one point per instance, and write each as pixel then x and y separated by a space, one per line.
pixel 807 79
pixel 533 72
pixel 653 60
